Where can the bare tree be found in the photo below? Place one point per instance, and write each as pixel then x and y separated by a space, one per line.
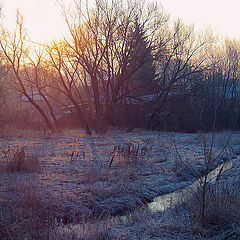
pixel 180 56
pixel 38 78
pixel 230 82
pixel 101 54
pixel 66 78
pixel 3 71
pixel 16 53
pixel 3 96
pixel 219 89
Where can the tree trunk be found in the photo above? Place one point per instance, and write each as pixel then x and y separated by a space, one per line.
pixel 81 115
pixel 43 114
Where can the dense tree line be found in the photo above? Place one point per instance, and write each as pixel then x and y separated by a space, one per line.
pixel 118 51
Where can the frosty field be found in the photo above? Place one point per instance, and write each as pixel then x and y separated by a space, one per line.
pixel 81 176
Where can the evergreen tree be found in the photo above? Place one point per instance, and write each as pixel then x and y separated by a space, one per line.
pixel 141 59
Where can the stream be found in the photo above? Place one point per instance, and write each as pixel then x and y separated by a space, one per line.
pixel 170 200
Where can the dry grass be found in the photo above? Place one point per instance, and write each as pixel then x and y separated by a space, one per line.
pixel 183 170
pixel 180 222
pixel 25 217
pixel 130 158
pixel 184 220
pixel 29 220
pixel 204 194
pixel 108 188
pixel 10 131
pixel 222 208
pixel 89 230
pixel 28 217
pixel 131 155
pixel 16 159
pixel 127 158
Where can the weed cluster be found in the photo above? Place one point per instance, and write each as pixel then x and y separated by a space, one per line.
pixel 18 160
pixel 130 154
pixel 130 157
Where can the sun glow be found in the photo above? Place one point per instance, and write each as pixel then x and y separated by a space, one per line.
pixel 42 18
pixel 44 21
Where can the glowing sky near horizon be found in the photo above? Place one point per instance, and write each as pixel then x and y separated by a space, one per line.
pixel 42 18
pixel 44 21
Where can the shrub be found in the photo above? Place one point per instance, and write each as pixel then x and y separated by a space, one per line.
pixel 222 205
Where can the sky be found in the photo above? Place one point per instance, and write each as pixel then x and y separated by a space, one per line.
pixel 222 16
pixel 42 18
pixel 44 21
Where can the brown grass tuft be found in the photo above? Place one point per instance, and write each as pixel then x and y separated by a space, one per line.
pixel 222 208
pixel 20 161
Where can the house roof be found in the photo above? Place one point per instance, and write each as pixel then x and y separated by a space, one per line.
pixel 140 99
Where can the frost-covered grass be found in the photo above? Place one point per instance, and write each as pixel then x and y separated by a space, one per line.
pixel 16 160
pixel 88 177
pixel 32 220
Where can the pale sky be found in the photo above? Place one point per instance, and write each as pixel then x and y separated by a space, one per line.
pixel 44 21
pixel 42 18
pixel 222 16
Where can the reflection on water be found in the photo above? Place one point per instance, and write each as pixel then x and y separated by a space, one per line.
pixel 170 200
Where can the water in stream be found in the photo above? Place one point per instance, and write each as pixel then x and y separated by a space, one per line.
pixel 171 199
